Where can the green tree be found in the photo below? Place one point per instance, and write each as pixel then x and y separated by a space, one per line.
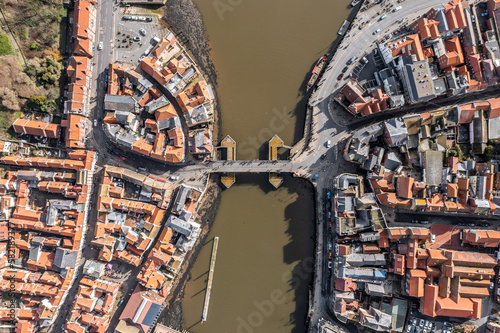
pixel 34 46
pixel 488 152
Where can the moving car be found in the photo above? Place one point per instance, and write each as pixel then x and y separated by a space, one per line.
pixel 99 47
pixel 328 144
pixel 137 39
pixel 353 59
pixel 376 32
pixel 396 9
pixel 123 158
pixel 345 69
pixel 382 17
pixel 340 76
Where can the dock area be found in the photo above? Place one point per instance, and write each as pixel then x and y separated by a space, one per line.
pixel 274 144
pixel 210 279
pixel 275 179
pixel 229 144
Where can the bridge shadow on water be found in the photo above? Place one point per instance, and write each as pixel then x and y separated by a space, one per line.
pixel 300 249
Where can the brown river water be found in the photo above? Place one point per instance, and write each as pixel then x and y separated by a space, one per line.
pixel 263 51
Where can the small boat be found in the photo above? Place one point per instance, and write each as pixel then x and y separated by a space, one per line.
pixel 354 3
pixel 315 72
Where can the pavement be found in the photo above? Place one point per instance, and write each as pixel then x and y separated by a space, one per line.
pixel 133 53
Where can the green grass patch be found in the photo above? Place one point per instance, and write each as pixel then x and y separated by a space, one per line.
pixel 5 47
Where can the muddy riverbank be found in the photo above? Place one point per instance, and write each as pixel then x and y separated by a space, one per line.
pixel 185 20
pixel 172 314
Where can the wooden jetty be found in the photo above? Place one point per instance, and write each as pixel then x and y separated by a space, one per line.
pixel 210 279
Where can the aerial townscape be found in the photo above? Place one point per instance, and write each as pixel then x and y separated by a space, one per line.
pixel 114 160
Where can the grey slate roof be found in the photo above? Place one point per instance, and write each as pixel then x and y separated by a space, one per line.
pixel 65 258
pixel 119 103
pixel 155 104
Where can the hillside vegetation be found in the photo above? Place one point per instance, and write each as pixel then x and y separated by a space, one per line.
pixel 39 27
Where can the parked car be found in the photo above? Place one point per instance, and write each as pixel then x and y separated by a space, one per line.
pixel 396 9
pixel 329 264
pixel 99 47
pixel 95 122
pixel 174 177
pixel 424 222
pixel 323 156
pixel 340 76
pixel 328 144
pixel 421 323
pixel 149 19
pixel 143 32
pixel 126 17
pixel 123 158
pixel 471 224
pixel 364 60
pixel 345 69
pixel 353 59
